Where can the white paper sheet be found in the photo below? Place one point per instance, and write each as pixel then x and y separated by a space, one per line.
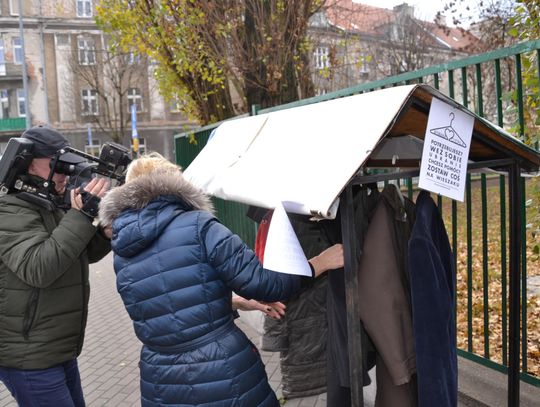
pixel 446 150
pixel 283 252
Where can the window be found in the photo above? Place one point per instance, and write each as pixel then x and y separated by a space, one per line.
pixel 176 105
pixel 87 52
pixel 4 104
pixel 93 148
pixel 89 102
pixel 320 57
pixel 14 7
pixel 142 146
pixel 17 51
pixel 2 58
pixel 134 98
pixel 84 8
pixel 133 58
pixel 21 103
pixel 363 63
pixel 62 40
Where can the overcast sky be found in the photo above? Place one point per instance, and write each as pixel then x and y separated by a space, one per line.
pixel 423 9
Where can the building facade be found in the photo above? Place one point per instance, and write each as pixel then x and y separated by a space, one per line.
pixel 354 43
pixel 77 85
pixel 74 82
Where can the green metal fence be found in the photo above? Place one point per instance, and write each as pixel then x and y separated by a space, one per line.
pixel 492 85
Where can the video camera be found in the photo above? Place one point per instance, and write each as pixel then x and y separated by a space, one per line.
pixel 112 162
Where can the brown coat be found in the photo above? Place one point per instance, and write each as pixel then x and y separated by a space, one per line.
pixel 384 294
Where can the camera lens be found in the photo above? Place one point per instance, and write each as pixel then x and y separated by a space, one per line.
pixel 63 168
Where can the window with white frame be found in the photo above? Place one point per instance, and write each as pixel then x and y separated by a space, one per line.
pixel 2 58
pixel 320 56
pixel 93 148
pixel 134 98
pixel 142 146
pixel 363 63
pixel 84 8
pixel 133 58
pixel 87 51
pixel 89 100
pixel 21 105
pixel 4 104
pixel 18 56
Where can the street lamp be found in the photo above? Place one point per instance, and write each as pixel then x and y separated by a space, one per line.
pixel 25 75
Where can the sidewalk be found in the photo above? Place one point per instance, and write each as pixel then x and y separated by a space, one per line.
pixel 110 356
pixel 110 373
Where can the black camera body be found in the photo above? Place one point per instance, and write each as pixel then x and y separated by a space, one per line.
pixel 111 163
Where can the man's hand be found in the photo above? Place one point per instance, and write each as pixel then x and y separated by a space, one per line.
pixel 97 187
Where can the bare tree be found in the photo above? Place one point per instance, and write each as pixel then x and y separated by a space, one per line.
pixel 104 77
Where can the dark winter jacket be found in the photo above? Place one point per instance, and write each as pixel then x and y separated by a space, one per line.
pixel 432 294
pixel 44 286
pixel 176 268
pixel 301 334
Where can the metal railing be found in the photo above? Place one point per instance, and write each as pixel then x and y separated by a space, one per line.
pixel 491 85
pixel 13 124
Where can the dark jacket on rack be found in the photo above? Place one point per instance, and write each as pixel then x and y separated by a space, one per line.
pixel 300 335
pixel 432 287
pixel 384 298
pixel 176 268
pixel 338 379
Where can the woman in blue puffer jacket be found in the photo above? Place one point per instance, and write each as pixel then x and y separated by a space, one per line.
pixel 176 267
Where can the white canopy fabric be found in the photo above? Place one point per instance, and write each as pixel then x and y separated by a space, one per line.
pixel 304 155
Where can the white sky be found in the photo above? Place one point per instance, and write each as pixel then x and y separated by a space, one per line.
pixel 423 9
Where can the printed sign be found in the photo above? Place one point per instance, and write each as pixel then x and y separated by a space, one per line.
pixel 282 252
pixel 446 150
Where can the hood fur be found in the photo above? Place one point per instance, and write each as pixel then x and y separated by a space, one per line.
pixel 139 192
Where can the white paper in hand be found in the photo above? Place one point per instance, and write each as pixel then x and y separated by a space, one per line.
pixel 283 252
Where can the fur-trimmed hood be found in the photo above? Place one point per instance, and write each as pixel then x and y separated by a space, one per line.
pixel 142 190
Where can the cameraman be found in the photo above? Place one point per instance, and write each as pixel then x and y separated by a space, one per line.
pixel 44 288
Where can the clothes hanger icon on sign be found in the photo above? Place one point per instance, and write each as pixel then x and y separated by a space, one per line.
pixel 449 133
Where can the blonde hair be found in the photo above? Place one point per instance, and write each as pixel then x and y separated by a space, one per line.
pixel 149 163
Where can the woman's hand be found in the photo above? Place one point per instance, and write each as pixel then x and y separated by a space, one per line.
pixel 274 310
pixel 329 259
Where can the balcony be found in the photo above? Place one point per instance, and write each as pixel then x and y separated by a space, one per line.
pixel 13 124
pixel 11 72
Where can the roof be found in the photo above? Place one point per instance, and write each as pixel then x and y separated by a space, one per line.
pixel 364 19
pixel 308 154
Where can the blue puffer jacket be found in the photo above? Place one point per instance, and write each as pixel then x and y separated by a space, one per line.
pixel 176 268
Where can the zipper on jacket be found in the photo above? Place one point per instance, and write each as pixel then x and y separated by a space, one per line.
pixel 30 312
pixel 83 308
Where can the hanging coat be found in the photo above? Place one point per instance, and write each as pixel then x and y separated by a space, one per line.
pixel 384 300
pixel 433 281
